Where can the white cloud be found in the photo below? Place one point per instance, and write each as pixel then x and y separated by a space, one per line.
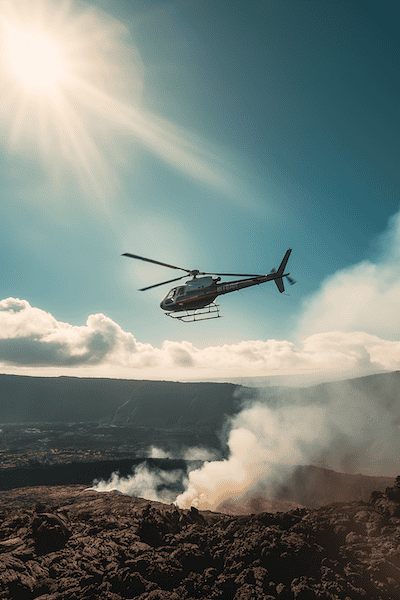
pixel 354 350
pixel 31 337
pixel 363 297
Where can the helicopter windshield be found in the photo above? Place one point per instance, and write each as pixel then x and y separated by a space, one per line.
pixel 175 292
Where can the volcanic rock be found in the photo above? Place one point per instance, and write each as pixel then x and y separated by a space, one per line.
pixel 71 543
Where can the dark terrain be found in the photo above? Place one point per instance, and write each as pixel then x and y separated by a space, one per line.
pixel 67 543
pixel 33 444
pixel 316 533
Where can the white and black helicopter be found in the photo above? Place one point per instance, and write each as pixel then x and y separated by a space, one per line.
pixel 195 300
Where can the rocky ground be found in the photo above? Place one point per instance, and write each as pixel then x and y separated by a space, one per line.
pixel 69 543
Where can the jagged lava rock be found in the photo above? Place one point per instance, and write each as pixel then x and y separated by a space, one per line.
pixel 71 543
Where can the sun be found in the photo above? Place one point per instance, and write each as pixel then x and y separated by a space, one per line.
pixel 33 57
pixel 66 71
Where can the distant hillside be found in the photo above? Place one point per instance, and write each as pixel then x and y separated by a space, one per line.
pixel 167 404
pixel 384 388
pixel 153 404
pixel 303 379
pixel 310 486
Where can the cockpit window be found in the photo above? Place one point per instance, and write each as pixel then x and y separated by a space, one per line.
pixel 174 293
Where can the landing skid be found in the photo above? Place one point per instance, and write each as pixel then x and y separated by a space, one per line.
pixel 198 314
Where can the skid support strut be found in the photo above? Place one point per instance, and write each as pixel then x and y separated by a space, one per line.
pixel 198 314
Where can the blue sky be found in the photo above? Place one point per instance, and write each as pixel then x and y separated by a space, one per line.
pixel 210 135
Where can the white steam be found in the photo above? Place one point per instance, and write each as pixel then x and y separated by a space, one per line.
pixel 347 432
pixel 194 454
pixel 259 439
pixel 345 429
pixel 155 452
pixel 144 483
pixel 153 483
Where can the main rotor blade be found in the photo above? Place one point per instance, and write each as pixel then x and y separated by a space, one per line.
pixel 162 283
pixel 233 274
pixel 156 262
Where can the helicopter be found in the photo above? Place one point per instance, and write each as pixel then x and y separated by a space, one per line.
pixel 195 299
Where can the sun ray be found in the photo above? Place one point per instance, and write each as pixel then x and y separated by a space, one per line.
pixel 70 83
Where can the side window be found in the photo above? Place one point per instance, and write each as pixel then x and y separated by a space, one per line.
pixel 181 291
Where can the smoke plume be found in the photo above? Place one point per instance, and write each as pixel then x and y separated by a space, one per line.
pixel 349 432
pixel 341 426
pixel 158 485
pixel 152 482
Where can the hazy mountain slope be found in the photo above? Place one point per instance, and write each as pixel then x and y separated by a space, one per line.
pixel 310 486
pixel 155 404
pixel 383 387
pixel 168 404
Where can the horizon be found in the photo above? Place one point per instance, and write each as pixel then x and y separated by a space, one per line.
pixel 300 379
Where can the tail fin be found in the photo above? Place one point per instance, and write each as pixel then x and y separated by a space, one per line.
pixel 284 262
pixel 279 280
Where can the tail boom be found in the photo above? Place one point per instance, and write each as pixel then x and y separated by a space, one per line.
pixel 273 275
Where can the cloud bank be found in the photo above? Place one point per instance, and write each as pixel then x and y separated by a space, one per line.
pixel 362 297
pixel 31 337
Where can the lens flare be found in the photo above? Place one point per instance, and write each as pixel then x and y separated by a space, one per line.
pixel 51 54
pixel 71 83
